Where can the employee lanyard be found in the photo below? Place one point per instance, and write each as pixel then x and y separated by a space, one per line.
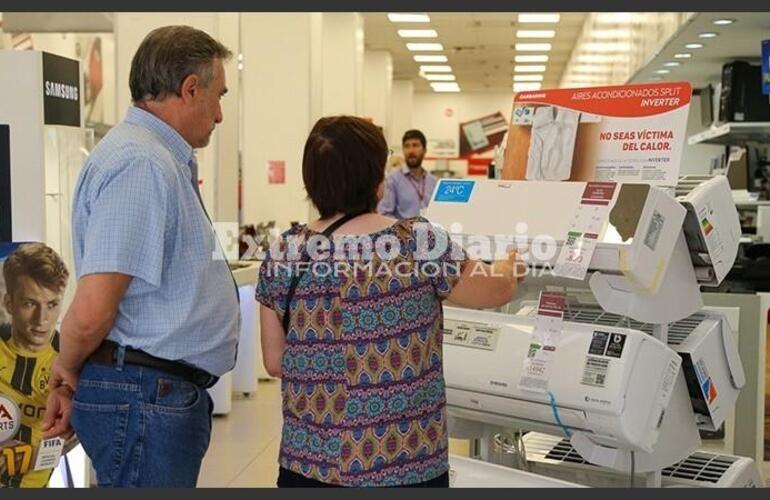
pixel 421 189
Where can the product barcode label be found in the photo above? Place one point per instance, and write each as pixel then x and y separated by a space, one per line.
pixel 595 371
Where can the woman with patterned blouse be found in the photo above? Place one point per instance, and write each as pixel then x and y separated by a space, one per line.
pixel 364 402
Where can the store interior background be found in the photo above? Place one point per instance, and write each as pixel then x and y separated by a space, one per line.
pixel 290 69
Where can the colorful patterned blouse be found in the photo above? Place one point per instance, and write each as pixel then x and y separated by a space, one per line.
pixel 363 384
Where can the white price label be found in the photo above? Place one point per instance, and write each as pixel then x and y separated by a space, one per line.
pixel 590 217
pixel 48 453
pixel 546 335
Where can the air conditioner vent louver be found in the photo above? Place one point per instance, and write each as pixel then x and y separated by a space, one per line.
pixel 593 314
pixel 700 466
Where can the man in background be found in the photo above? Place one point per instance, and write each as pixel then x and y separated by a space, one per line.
pixel 409 189
pixel 35 279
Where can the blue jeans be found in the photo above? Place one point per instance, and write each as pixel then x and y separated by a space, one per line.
pixel 141 427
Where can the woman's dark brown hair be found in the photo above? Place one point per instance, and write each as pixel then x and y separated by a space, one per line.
pixel 343 165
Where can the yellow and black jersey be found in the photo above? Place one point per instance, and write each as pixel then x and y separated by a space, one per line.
pixel 24 378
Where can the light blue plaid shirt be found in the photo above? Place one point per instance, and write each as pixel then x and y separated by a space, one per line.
pixel 137 212
pixel 402 194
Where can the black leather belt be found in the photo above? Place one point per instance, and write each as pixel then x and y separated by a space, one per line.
pixel 106 354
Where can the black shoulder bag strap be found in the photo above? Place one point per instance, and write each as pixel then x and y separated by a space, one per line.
pixel 295 280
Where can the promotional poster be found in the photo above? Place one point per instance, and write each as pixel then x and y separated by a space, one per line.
pixel 630 133
pixel 32 285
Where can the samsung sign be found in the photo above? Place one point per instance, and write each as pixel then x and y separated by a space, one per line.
pixel 61 90
pixel 56 89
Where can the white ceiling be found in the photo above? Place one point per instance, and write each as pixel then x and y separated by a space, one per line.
pixel 479 46
pixel 740 40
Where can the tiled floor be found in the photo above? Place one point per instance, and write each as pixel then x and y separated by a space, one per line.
pixel 244 443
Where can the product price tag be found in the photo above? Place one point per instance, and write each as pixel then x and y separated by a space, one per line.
pixel 546 335
pixel 48 453
pixel 590 216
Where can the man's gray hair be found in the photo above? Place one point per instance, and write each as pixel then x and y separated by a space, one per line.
pixel 167 56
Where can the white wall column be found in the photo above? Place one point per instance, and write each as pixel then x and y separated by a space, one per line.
pixel 401 103
pixel 378 87
pixel 282 97
pixel 343 60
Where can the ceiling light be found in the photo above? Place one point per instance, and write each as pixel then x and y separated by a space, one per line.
pixel 682 55
pixel 693 46
pixel 607 47
pixel 610 34
pixel 531 59
pixel 523 87
pixel 408 18
pixel 663 71
pixel 445 86
pixel 615 17
pixel 724 22
pixel 427 47
pixel 429 58
pixel 539 18
pixel 439 77
pixel 533 47
pixel 708 34
pixel 417 33
pixel 535 33
pixel 590 69
pixel 527 78
pixel 529 68
pixel 435 68
pixel 672 64
pixel 595 58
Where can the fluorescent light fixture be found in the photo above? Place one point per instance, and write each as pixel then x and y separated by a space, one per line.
pixel 615 17
pixel 440 77
pixel 533 47
pixel 408 18
pixel 417 33
pixel 708 34
pixel 590 69
pixel 595 58
pixel 423 58
pixel 527 78
pixel 610 34
pixel 663 71
pixel 607 47
pixel 523 87
pixel 672 64
pixel 682 55
pixel 724 22
pixel 539 18
pixel 426 47
pixel 445 87
pixel 531 59
pixel 693 45
pixel 535 33
pixel 435 68
pixel 529 68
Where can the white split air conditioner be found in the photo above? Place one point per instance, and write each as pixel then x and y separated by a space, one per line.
pixel 555 457
pixel 710 361
pixel 652 254
pixel 612 401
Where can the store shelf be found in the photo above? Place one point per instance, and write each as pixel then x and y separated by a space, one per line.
pixel 733 134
